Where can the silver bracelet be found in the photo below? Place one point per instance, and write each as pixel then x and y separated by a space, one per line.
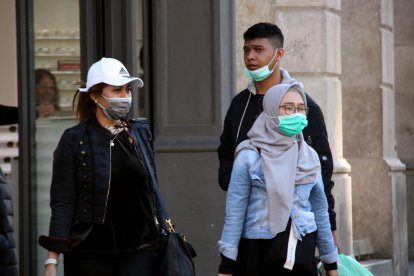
pixel 51 261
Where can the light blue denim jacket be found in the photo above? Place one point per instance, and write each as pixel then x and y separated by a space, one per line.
pixel 247 209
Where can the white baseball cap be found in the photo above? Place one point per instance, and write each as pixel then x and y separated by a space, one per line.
pixel 109 71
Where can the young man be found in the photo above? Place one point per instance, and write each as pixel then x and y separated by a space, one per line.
pixel 263 50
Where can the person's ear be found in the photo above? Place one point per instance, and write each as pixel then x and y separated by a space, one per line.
pixel 93 97
pixel 280 54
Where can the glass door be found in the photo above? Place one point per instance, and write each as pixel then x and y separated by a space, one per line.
pixel 57 70
pixel 58 59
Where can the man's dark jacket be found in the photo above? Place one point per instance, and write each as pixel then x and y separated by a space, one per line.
pixel 314 134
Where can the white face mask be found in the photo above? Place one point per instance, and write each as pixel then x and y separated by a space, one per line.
pixel 118 107
pixel 261 73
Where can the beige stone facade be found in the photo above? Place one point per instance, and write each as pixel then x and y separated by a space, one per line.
pixel 404 101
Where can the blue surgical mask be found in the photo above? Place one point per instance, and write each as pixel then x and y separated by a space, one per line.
pixel 292 124
pixel 118 107
pixel 261 73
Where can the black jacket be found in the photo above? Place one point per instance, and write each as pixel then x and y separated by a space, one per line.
pixel 315 134
pixel 80 181
pixel 8 258
pixel 8 115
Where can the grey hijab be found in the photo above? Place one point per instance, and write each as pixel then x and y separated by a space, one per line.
pixel 286 161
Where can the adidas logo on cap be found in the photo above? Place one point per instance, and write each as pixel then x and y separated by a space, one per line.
pixel 123 71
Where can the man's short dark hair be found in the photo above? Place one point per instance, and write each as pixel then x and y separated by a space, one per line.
pixel 265 30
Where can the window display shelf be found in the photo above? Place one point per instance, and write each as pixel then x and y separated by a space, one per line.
pixel 58 55
pixel 56 72
pixel 56 38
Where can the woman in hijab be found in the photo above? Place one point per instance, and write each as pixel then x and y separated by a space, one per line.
pixel 276 208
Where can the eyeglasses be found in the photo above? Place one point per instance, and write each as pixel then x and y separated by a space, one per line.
pixel 290 109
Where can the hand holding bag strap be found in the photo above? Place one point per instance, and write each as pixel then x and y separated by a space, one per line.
pixel 162 213
pixel 176 258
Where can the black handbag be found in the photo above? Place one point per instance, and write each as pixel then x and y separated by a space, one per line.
pixel 176 253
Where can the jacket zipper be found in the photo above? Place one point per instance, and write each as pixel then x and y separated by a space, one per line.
pixel 109 181
pixel 241 120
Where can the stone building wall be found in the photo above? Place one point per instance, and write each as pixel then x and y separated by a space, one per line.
pixel 404 101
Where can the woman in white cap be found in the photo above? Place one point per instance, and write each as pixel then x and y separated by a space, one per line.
pixel 102 201
pixel 276 208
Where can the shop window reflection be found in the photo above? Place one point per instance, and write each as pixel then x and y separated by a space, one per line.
pixel 57 63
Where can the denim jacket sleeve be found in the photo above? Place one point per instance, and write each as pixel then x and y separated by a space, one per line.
pixel 325 243
pixel 236 205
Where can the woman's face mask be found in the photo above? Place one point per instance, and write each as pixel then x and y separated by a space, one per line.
pixel 118 107
pixel 292 124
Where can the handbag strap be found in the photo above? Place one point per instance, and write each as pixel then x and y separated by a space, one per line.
pixel 165 220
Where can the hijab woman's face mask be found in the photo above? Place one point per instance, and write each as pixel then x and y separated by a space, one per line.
pixel 118 107
pixel 292 124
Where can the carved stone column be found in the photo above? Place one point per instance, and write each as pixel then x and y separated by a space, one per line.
pixel 404 99
pixel 312 32
pixel 379 184
pixel 396 167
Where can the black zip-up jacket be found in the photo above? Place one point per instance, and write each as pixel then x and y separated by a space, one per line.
pixel 315 135
pixel 8 257
pixel 81 179
pixel 8 115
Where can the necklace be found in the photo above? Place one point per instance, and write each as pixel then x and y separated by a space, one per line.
pixel 113 139
pixel 115 130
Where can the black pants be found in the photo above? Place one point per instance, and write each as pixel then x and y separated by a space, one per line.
pixel 141 264
pixel 255 258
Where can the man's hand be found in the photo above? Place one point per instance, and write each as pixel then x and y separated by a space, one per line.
pixel 46 110
pixel 336 242
pixel 332 273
